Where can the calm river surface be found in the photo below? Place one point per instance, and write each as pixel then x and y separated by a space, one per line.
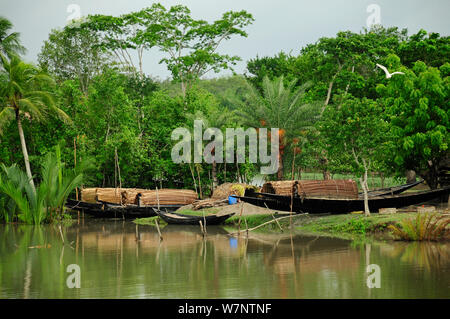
pixel 114 264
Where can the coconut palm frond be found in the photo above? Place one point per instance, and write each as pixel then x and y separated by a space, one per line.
pixel 9 42
pixel 32 107
pixel 6 116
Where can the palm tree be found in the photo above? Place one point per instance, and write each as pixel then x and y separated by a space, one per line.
pixel 21 94
pixel 215 118
pixel 9 42
pixel 280 106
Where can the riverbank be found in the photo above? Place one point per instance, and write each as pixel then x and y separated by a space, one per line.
pixel 346 226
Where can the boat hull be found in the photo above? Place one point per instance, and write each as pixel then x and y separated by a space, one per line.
pixel 109 210
pixel 180 219
pixel 340 206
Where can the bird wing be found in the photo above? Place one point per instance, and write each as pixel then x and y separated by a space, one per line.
pixel 397 73
pixel 383 68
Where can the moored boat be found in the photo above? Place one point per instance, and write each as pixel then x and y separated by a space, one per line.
pixel 317 205
pixel 391 190
pixel 111 210
pixel 181 219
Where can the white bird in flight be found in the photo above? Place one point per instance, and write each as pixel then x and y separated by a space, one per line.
pixel 388 75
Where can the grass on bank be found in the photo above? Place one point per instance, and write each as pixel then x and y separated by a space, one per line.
pixel 403 226
pixel 423 227
pixel 350 225
pixel 345 225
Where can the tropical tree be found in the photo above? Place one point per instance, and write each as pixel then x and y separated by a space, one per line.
pixel 356 129
pixel 9 41
pixel 430 48
pixel 214 118
pixel 73 54
pixel 24 94
pixel 272 67
pixel 280 106
pixel 190 45
pixel 418 107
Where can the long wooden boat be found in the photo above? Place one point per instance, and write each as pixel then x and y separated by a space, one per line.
pixel 180 219
pixel 390 190
pixel 340 206
pixel 112 210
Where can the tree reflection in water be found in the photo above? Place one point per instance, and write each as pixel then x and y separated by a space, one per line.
pixel 120 260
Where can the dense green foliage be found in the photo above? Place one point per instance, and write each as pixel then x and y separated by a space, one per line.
pixel 415 106
pixel 334 107
pixel 19 200
pixel 358 128
pixel 418 107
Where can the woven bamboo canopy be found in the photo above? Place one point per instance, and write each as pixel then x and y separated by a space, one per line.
pixel 339 189
pixel 126 196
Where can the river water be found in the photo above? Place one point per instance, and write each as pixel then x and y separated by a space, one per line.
pixel 117 259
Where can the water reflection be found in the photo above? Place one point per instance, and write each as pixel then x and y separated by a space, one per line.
pixel 433 256
pixel 121 260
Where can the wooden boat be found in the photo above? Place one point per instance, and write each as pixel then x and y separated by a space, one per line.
pixel 104 209
pixel 180 219
pixel 340 206
pixel 390 190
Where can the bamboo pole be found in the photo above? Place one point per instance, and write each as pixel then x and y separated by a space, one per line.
pixel 75 165
pixel 263 224
pixel 273 217
pixel 159 232
pixel 204 222
pixel 118 171
pixel 240 215
pixel 60 232
pixel 157 197
pixel 201 228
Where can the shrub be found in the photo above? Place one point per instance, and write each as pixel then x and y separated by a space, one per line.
pixel 46 202
pixel 423 227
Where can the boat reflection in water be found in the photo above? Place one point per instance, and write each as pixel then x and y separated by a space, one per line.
pixel 121 260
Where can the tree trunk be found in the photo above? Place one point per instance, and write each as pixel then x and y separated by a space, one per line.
pixel 193 177
pixel 293 167
pixel 199 183
pixel 330 87
pixel 24 150
pixel 363 183
pixel 410 176
pixel 225 172
pixel 325 172
pixel 238 172
pixel 431 175
pixel 280 167
pixel 214 174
